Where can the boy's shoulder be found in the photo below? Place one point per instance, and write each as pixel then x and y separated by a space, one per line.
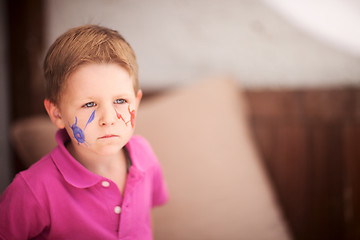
pixel 34 181
pixel 139 142
pixel 141 152
pixel 40 173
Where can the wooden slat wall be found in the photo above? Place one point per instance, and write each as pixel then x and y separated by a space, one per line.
pixel 25 40
pixel 310 142
pixel 25 20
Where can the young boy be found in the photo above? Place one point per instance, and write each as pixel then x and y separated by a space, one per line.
pixel 100 182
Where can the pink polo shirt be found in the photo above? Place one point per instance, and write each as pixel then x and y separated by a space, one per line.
pixel 57 198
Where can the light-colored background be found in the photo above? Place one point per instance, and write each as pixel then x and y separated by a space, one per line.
pixel 178 42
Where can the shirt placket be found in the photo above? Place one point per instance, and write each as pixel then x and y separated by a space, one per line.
pixel 112 197
pixel 125 217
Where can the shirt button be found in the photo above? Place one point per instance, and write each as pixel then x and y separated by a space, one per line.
pixel 105 183
pixel 117 209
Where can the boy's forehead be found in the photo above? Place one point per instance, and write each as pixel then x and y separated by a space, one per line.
pixel 98 73
pixel 81 84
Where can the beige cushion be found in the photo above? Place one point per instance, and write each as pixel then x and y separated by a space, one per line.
pixel 33 138
pixel 218 187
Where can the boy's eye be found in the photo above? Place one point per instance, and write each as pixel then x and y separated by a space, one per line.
pixel 120 101
pixel 89 105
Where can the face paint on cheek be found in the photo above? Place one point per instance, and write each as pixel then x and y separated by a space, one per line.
pixel 132 117
pixel 91 118
pixel 77 132
pixel 118 115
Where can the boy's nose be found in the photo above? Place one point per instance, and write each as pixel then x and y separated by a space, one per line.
pixel 108 116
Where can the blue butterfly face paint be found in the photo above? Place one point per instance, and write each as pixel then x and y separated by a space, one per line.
pixel 91 118
pixel 78 132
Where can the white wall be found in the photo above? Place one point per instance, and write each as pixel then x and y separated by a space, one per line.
pixel 5 170
pixel 335 22
pixel 177 42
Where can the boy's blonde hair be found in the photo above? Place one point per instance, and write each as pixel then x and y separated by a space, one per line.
pixel 82 45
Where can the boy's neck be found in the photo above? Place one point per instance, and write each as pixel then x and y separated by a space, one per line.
pixel 102 165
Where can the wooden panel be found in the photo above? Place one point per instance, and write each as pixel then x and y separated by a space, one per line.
pixel 25 38
pixel 351 134
pixel 326 106
pixel 325 175
pixel 272 106
pixel 309 141
pixel 288 166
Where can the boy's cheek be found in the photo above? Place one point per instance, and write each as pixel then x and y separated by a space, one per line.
pixel 76 125
pixel 126 114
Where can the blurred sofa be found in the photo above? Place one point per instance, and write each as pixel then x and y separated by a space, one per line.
pixel 218 186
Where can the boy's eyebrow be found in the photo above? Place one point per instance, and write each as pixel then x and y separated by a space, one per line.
pixel 125 93
pixel 91 98
pixel 122 95
pixel 82 99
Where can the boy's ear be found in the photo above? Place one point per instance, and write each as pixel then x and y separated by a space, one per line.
pixel 54 113
pixel 138 98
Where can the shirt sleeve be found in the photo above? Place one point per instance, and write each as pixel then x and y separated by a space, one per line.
pixel 21 216
pixel 160 191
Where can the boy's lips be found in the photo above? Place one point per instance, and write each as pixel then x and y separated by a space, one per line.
pixel 108 136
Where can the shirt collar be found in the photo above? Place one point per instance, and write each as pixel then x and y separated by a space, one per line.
pixel 73 172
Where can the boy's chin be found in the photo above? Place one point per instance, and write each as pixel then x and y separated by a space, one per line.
pixel 109 150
